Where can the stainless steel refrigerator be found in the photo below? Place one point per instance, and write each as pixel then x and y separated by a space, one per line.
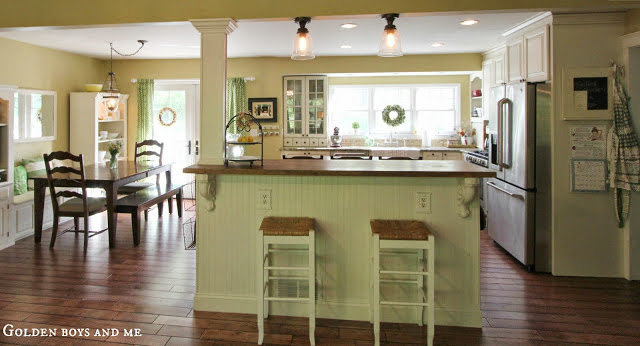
pixel 518 199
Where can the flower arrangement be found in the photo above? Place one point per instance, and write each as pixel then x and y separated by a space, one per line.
pixel 355 125
pixel 114 147
pixel 466 133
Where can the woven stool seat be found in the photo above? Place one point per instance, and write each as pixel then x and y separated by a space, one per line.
pixel 400 229
pixel 287 226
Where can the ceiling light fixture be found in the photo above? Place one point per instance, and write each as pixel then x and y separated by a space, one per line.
pixel 437 44
pixel 348 25
pixel 468 22
pixel 390 39
pixel 302 44
pixel 110 92
pixel 346 46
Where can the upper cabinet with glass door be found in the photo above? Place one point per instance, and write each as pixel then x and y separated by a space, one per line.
pixel 305 109
pixel 34 115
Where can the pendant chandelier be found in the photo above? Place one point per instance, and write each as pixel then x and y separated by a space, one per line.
pixel 110 92
pixel 302 45
pixel 390 39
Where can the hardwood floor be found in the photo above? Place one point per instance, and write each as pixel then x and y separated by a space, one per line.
pixel 151 287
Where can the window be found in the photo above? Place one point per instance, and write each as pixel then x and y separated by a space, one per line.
pixel 433 107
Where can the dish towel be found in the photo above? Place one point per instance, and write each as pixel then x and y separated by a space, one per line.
pixel 624 155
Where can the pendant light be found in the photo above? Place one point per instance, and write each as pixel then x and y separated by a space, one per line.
pixel 390 39
pixel 110 92
pixel 302 45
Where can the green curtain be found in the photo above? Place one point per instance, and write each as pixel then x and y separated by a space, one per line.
pixel 145 109
pixel 236 99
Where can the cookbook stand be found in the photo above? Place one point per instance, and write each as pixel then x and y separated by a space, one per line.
pixel 244 124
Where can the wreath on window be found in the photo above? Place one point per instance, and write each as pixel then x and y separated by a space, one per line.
pixel 395 121
pixel 167 116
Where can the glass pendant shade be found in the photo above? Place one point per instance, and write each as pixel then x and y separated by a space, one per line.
pixel 303 47
pixel 110 93
pixel 302 43
pixel 390 45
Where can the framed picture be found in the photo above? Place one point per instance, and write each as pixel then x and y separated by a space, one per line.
pixel 264 109
pixel 587 93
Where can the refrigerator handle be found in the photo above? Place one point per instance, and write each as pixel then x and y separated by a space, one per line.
pixel 500 149
pixel 514 195
pixel 508 134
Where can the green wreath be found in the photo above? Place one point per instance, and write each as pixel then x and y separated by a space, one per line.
pixel 393 122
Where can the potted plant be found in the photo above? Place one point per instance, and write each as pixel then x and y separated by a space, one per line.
pixel 355 126
pixel 114 149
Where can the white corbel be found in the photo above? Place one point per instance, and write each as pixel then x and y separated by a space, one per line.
pixel 466 195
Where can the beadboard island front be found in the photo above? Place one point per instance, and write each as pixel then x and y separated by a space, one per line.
pixel 342 196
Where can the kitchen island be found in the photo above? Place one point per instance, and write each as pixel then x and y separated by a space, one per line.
pixel 342 196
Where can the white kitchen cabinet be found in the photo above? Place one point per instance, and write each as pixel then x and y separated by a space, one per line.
pixel 432 155
pixel 89 117
pixel 498 70
pixel 305 100
pixel 515 60
pixel 7 233
pixel 452 155
pixel 486 86
pixel 442 155
pixel 536 45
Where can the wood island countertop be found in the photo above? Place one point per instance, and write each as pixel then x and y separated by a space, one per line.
pixel 365 168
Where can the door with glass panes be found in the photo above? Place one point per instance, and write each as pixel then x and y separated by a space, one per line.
pixel 175 112
pixel 305 106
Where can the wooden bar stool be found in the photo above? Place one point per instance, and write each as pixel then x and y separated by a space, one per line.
pixel 402 235
pixel 285 231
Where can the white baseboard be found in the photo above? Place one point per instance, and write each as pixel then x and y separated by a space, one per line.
pixel 6 245
pixel 335 310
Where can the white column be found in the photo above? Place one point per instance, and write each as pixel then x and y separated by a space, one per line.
pixel 213 85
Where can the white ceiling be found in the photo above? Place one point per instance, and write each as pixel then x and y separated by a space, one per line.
pixel 180 40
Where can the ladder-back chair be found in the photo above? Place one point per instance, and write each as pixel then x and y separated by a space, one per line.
pixel 67 175
pixel 145 152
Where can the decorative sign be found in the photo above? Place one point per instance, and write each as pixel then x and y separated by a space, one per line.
pixel 587 93
pixel 589 142
pixel 588 175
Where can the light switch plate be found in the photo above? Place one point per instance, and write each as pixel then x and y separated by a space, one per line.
pixel 423 202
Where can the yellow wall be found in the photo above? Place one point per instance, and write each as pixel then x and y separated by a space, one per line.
pixel 17 13
pixel 32 67
pixel 269 71
pixel 586 239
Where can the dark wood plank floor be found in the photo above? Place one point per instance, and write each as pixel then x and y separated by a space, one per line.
pixel 151 287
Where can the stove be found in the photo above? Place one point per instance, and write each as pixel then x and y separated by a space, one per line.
pixel 478 157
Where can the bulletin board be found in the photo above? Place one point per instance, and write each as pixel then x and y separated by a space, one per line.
pixel 588 158
pixel 587 93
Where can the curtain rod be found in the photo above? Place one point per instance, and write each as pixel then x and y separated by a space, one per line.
pixel 246 79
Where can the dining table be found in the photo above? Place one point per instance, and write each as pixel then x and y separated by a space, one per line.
pixel 101 176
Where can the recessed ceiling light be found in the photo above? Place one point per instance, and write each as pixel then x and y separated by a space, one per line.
pixel 345 46
pixel 348 25
pixel 437 44
pixel 468 22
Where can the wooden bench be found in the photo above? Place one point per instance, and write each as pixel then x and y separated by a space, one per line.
pixel 142 200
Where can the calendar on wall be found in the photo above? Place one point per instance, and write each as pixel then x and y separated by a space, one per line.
pixel 588 158
pixel 588 175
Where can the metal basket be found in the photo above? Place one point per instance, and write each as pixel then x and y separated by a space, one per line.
pixel 189 233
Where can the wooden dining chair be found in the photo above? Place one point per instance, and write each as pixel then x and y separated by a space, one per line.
pixel 69 173
pixel 146 154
